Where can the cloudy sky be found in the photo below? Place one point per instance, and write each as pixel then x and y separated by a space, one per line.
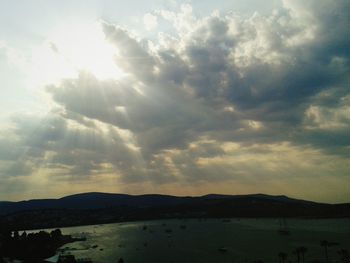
pixel 175 97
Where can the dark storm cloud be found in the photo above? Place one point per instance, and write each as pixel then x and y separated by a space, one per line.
pixel 36 132
pixel 9 150
pixel 18 169
pixel 66 147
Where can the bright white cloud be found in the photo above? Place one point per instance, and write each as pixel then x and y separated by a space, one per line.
pixel 150 21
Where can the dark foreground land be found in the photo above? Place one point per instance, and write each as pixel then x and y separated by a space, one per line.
pixel 99 208
pixel 32 247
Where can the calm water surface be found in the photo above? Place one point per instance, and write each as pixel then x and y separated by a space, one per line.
pixel 246 240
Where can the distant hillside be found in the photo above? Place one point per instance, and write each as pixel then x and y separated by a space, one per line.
pixel 91 201
pixel 92 208
pixel 97 200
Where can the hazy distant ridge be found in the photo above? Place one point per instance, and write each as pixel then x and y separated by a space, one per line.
pixel 99 208
pixel 96 200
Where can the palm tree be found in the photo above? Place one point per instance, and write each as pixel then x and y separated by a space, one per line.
pixel 302 251
pixel 344 254
pixel 297 253
pixel 325 244
pixel 282 257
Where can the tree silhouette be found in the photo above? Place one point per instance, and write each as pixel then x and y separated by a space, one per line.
pixel 56 234
pixel 282 257
pixel 24 235
pixel 297 253
pixel 326 244
pixel 344 255
pixel 302 251
pixel 15 235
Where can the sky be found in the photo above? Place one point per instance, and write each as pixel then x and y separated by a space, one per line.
pixel 175 97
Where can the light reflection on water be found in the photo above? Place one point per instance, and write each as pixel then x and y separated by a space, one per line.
pixel 246 240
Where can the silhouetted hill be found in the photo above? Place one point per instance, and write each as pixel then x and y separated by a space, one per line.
pixel 103 200
pixel 92 201
pixel 279 198
pixel 97 200
pixel 93 208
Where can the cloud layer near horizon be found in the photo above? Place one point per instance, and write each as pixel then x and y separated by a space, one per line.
pixel 221 103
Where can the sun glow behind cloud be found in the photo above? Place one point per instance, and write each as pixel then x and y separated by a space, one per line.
pixel 69 49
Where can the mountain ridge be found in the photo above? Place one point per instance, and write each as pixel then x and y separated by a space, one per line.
pixel 180 196
pixel 99 208
pixel 211 195
pixel 100 200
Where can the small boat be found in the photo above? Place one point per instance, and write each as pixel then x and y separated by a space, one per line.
pixel 283 230
pixel 53 259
